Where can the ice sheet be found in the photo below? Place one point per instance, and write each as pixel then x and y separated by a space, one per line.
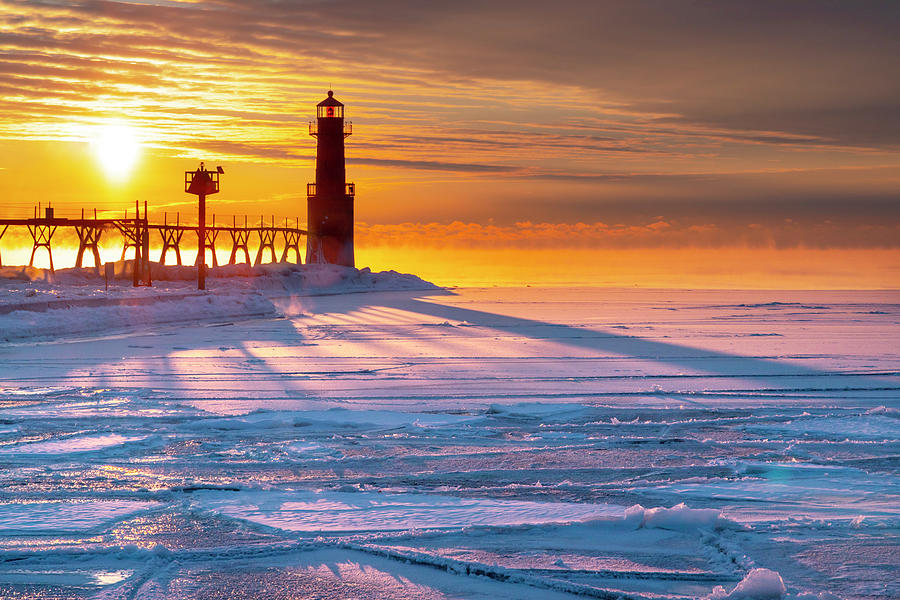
pixel 511 443
pixel 70 445
pixel 347 512
pixel 54 516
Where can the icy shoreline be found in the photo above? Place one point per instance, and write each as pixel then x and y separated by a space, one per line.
pixel 36 304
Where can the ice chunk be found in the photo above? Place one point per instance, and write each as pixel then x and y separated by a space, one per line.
pixel 677 518
pixel 759 584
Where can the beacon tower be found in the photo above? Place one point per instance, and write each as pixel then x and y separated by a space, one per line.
pixel 329 200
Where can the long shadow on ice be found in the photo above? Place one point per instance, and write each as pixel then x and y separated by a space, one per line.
pixel 704 361
pixel 226 361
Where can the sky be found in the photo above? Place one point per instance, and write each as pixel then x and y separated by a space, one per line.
pixel 530 131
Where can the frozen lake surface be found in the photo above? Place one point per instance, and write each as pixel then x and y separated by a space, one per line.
pixel 471 443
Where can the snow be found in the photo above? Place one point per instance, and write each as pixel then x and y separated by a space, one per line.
pixel 331 419
pixel 45 517
pixel 759 584
pixel 362 511
pixel 40 304
pixel 337 433
pixel 85 443
pixel 677 518
pixel 870 426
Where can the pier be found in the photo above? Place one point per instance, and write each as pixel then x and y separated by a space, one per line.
pixel 135 229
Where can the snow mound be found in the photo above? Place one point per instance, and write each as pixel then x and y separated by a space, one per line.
pixel 286 276
pixel 289 278
pixel 677 518
pixel 884 410
pixel 765 584
pixel 759 584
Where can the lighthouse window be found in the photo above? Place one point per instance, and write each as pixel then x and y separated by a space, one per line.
pixel 331 112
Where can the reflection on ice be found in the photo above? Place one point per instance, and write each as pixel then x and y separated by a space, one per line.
pixel 56 516
pixel 110 577
pixel 343 512
pixel 71 444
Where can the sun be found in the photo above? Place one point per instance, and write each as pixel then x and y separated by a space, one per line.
pixel 117 148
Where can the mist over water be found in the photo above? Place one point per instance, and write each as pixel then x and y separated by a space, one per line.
pixel 711 268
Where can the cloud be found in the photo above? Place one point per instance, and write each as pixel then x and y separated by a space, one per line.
pixel 806 68
pixel 430 165
pixel 654 234
pixel 632 107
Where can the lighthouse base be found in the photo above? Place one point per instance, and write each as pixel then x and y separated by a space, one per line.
pixel 329 250
pixel 330 230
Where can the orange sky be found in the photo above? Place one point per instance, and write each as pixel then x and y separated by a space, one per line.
pixel 481 128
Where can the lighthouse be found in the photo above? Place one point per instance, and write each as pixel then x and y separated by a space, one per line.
pixel 329 201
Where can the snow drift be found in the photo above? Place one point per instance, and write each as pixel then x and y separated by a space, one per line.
pixel 40 304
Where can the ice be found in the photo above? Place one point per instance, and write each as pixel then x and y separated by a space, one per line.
pixel 759 584
pixel 343 573
pixel 343 512
pixel 335 417
pixel 677 518
pixel 336 511
pixel 282 436
pixel 812 491
pixel 871 426
pixel 547 412
pixel 54 517
pixel 76 302
pixel 71 445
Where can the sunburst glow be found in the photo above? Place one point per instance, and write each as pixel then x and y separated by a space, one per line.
pixel 117 148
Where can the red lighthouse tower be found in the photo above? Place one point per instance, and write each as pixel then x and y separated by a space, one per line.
pixel 329 200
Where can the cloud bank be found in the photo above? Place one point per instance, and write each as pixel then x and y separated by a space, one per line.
pixel 764 109
pixel 657 234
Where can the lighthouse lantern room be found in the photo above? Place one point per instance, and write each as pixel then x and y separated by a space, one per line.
pixel 329 108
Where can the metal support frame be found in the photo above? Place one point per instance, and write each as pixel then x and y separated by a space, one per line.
pixel 291 242
pixel 211 235
pixel 171 238
pixel 239 239
pixel 266 241
pixel 88 239
pixel 42 235
pixel 130 236
pixel 136 233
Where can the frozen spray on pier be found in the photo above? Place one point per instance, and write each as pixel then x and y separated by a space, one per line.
pixel 330 199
